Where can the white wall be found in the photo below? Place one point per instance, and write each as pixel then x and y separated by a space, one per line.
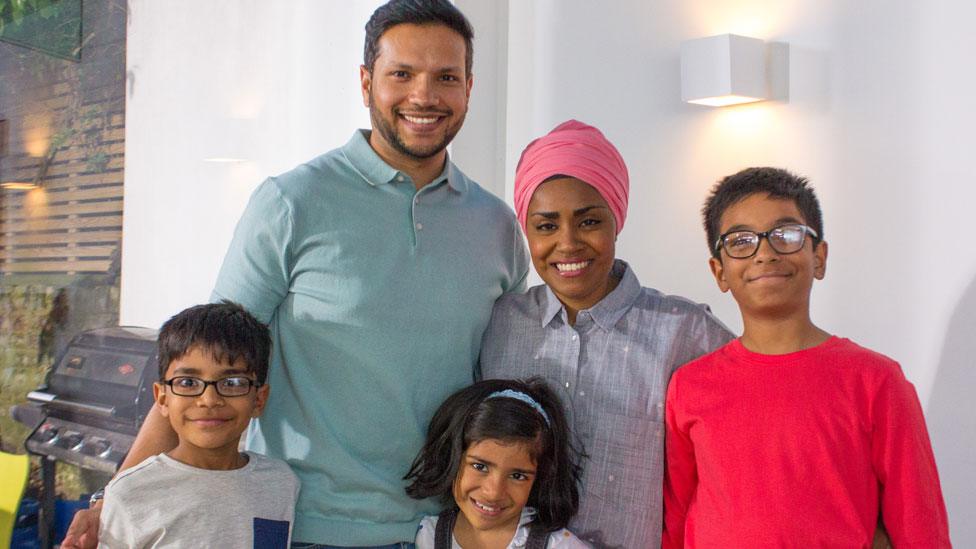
pixel 879 118
pixel 480 147
pixel 245 78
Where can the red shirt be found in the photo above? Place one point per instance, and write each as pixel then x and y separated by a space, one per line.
pixel 798 450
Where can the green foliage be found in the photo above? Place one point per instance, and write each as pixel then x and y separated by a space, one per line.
pixel 14 11
pixel 51 26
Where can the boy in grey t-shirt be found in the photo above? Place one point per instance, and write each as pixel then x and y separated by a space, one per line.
pixel 213 362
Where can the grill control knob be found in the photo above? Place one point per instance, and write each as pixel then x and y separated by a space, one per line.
pixel 70 440
pixel 95 447
pixel 48 433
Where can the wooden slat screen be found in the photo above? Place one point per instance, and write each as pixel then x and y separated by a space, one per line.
pixel 73 223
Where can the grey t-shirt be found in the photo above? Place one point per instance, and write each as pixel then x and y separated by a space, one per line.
pixel 165 503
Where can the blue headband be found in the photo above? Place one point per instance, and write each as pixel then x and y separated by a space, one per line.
pixel 509 393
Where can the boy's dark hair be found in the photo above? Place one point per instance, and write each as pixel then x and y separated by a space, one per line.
pixel 468 417
pixel 416 12
pixel 778 183
pixel 224 329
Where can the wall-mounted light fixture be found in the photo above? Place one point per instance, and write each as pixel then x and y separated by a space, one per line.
pixel 17 185
pixel 6 182
pixel 20 184
pixel 36 182
pixel 729 69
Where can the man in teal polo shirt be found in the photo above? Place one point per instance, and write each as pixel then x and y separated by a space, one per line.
pixel 376 266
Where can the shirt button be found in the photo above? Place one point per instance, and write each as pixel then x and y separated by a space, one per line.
pixel 416 200
pixel 582 393
pixel 400 178
pixel 610 478
pixel 567 385
pixel 420 226
pixel 574 337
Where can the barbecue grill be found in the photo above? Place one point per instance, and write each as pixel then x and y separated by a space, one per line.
pixel 90 408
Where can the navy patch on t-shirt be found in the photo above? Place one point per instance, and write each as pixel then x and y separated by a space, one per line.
pixel 270 534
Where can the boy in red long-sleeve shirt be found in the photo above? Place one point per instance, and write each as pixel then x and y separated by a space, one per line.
pixel 790 436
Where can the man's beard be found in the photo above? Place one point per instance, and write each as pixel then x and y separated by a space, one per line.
pixel 387 128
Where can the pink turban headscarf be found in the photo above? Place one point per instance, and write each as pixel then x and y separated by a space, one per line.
pixel 576 150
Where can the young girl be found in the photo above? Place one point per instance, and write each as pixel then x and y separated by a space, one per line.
pixel 499 455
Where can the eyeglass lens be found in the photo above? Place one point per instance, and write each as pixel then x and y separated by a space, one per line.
pixel 228 386
pixel 785 240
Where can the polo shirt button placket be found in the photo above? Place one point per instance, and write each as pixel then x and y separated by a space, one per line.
pixel 418 226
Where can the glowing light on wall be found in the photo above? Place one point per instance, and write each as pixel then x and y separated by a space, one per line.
pixel 37 143
pixel 234 141
pixel 745 123
pixel 35 203
pixel 37 133
pixel 724 100
pixel 721 17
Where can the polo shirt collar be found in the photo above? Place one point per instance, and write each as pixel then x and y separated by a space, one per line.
pixel 364 160
pixel 457 180
pixel 608 311
pixel 375 171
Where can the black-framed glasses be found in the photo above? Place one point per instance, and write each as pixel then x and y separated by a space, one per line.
pixel 785 239
pixel 233 386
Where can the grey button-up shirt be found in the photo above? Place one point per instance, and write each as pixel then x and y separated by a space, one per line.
pixel 611 370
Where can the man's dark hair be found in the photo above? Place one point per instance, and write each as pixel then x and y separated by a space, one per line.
pixel 416 12
pixel 778 183
pixel 224 329
pixel 469 416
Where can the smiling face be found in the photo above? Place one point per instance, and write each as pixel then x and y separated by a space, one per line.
pixel 572 234
pixel 493 485
pixel 417 93
pixel 209 426
pixel 768 284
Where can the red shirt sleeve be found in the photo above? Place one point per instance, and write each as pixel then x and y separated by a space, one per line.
pixel 680 472
pixel 912 507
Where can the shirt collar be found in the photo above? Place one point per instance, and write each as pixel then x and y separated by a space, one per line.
pixel 375 171
pixel 608 310
pixel 522 533
pixel 457 180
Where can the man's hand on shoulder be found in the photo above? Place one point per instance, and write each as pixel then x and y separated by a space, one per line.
pixel 83 532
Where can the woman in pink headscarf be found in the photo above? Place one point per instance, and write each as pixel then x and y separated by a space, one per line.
pixel 606 343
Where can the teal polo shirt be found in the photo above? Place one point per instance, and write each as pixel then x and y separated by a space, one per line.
pixel 377 296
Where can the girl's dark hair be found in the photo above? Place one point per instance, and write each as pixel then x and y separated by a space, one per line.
pixel 469 416
pixel 224 329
